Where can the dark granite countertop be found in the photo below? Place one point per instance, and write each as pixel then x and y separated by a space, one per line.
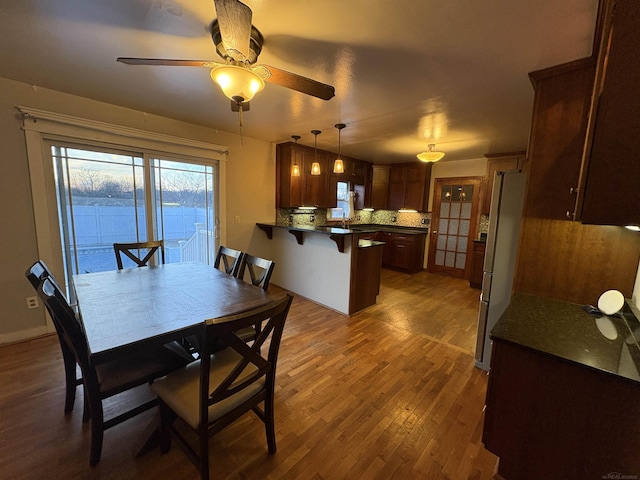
pixel 359 228
pixel 318 229
pixel 565 330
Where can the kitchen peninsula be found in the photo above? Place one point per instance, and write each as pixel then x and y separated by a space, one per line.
pixel 331 266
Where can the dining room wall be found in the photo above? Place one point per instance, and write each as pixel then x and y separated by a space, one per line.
pixel 249 195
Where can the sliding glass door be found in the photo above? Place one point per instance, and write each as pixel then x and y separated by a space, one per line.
pixel 106 195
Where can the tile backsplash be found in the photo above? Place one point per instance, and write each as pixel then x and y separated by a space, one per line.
pixel 294 216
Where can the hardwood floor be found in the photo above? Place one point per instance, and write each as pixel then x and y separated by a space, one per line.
pixel 389 393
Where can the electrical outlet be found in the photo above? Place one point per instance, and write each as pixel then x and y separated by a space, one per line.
pixel 236 219
pixel 425 221
pixel 32 302
pixel 312 218
pixel 393 219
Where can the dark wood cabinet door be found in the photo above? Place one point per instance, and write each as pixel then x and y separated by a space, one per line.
pixel 289 189
pixel 316 188
pixel 415 187
pixel 611 195
pixel 380 187
pixel 397 187
pixel 558 130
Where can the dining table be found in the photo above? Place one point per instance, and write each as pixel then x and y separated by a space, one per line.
pixel 123 310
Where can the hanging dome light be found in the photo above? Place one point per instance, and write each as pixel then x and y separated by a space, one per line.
pixel 338 165
pixel 430 155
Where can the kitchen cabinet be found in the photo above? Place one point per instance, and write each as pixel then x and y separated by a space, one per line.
pixel 608 193
pixel 380 187
pixel 403 251
pixel 409 186
pixel 560 394
pixel 499 162
pixel 289 188
pixel 556 141
pixel 476 266
pixel 316 190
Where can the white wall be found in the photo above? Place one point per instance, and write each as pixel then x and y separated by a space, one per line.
pixel 250 192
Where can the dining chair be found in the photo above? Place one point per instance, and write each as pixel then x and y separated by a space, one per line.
pixel 230 259
pixel 213 392
pixel 135 251
pixel 105 380
pixel 259 269
pixel 36 274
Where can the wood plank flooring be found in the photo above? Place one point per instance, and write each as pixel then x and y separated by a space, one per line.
pixel 389 393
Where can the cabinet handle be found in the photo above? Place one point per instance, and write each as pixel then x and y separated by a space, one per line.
pixel 570 215
pixel 434 232
pixel 573 191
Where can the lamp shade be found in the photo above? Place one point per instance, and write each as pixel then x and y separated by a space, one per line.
pixel 239 84
pixel 338 166
pixel 315 168
pixel 429 155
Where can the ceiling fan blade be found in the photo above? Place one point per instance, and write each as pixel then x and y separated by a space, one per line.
pixel 295 82
pixel 234 19
pixel 168 62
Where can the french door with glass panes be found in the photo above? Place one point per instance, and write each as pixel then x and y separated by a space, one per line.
pixel 107 195
pixel 453 224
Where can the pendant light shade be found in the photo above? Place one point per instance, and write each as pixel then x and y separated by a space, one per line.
pixel 295 168
pixel 430 155
pixel 315 166
pixel 338 165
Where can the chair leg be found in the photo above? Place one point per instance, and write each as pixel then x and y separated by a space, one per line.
pixel 204 453
pixel 167 416
pixel 86 411
pixel 269 423
pixel 70 378
pixel 97 431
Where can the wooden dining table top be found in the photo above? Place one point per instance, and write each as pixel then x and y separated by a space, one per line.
pixel 123 309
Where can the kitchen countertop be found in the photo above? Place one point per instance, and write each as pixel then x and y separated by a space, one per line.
pixel 353 229
pixel 566 331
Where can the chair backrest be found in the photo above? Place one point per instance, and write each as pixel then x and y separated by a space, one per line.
pixel 230 258
pixel 37 274
pixel 69 324
pixel 261 367
pixel 260 270
pixel 135 251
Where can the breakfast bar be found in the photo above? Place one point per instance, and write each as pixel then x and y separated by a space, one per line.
pixel 329 265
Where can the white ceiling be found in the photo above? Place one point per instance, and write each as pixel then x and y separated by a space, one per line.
pixel 406 72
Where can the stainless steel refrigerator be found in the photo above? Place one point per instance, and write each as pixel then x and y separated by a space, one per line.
pixel 505 216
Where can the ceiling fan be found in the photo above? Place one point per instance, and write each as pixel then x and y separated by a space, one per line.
pixel 239 43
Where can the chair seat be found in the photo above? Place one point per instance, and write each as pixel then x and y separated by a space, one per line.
pixel 180 390
pixel 130 371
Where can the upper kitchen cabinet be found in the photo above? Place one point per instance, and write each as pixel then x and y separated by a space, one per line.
pixel 499 162
pixel 609 187
pixel 558 128
pixel 317 190
pixel 289 188
pixel 305 189
pixel 380 187
pixel 409 186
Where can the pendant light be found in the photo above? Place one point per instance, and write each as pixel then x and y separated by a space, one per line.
pixel 430 155
pixel 315 166
pixel 295 168
pixel 338 165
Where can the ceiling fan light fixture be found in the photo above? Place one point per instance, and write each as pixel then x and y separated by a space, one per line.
pixel 238 83
pixel 429 155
